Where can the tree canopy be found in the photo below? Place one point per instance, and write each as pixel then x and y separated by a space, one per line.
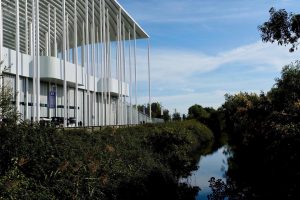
pixel 197 112
pixel 155 109
pixel 285 94
pixel 166 115
pixel 282 27
pixel 264 131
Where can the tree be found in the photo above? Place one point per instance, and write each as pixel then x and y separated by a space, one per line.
pixel 156 110
pixel 197 112
pixel 264 129
pixel 176 116
pixel 281 27
pixel 8 111
pixel 285 94
pixel 166 115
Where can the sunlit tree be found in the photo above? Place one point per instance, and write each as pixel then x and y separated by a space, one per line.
pixel 282 27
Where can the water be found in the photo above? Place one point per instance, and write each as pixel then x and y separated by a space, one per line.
pixel 212 165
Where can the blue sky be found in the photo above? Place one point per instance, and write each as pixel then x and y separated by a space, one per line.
pixel 203 49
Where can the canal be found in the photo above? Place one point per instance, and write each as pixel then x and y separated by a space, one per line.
pixel 210 165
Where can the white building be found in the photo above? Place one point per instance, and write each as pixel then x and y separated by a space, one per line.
pixel 72 60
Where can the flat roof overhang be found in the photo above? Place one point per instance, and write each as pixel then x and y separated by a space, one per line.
pixel 9 20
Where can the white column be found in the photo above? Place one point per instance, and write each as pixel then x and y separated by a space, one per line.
pixel 17 89
pixel 26 99
pixel 55 31
pixel 149 80
pixel 109 68
pixel 135 80
pixel 119 71
pixel 26 28
pixel 55 100
pixel 121 67
pixel 102 64
pixel 83 49
pixel 68 103
pixel 105 63
pixel 124 76
pixel 49 31
pixel 83 72
pixel 49 109
pixel 93 64
pixel 98 73
pixel 122 71
pixel 32 49
pixel 68 39
pixel 30 39
pixel 46 44
pixel 75 52
pixel 37 29
pixel 87 59
pixel 130 78
pixel 64 60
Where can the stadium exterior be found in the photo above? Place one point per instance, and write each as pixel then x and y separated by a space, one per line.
pixel 72 61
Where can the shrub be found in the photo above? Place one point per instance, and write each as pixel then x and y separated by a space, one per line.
pixel 48 163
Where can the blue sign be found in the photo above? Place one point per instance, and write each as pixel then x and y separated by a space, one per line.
pixel 52 99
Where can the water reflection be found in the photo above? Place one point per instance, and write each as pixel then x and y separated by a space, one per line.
pixel 211 165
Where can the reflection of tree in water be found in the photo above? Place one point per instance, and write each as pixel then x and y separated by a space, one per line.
pixel 267 170
pixel 157 186
pixel 265 142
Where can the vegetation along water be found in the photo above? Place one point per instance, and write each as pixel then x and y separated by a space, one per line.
pixel 143 162
pixel 148 161
pixel 261 134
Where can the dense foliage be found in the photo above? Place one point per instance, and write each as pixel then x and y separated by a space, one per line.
pixel 8 112
pixel 208 116
pixel 166 116
pixel 281 27
pixel 143 162
pixel 265 138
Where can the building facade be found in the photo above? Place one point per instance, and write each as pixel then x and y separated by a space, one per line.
pixel 72 60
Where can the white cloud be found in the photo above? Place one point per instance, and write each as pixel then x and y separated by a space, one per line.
pixel 175 66
pixel 183 77
pixel 179 70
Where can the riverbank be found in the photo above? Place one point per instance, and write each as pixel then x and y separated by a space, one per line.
pixel 143 162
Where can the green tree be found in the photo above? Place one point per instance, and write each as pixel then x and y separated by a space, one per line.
pixel 265 129
pixel 166 115
pixel 176 116
pixel 156 110
pixel 285 94
pixel 142 109
pixel 197 112
pixel 282 27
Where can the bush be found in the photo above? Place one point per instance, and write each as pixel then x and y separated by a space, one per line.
pixel 48 163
